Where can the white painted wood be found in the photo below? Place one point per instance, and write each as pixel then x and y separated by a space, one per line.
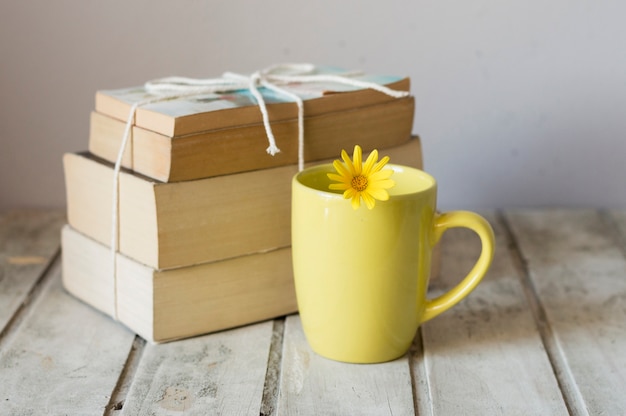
pixel 485 355
pixel 313 385
pixel 63 359
pixel 565 269
pixel 28 242
pixel 217 374
pixel 579 275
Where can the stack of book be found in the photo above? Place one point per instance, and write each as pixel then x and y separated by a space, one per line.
pixel 203 216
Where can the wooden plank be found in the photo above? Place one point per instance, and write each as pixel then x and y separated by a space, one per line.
pixel 217 374
pixel 619 219
pixel 28 242
pixel 313 385
pixel 578 274
pixel 485 355
pixel 64 358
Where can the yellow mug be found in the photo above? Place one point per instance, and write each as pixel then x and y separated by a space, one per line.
pixel 361 275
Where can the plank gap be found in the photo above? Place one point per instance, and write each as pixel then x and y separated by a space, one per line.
pixel 15 321
pixel 567 384
pixel 120 392
pixel 420 382
pixel 272 376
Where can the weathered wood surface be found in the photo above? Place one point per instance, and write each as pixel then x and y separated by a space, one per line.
pixel 29 240
pixel 484 356
pixel 618 220
pixel 577 272
pixel 63 358
pixel 312 385
pixel 219 374
pixel 544 333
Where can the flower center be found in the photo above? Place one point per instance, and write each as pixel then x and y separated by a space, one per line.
pixel 359 183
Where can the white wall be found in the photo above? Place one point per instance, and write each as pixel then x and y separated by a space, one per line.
pixel 518 103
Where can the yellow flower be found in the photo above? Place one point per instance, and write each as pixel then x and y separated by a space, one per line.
pixel 368 181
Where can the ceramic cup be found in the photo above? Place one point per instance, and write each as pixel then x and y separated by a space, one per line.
pixel 361 275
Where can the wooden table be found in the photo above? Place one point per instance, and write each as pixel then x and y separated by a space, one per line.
pixel 544 334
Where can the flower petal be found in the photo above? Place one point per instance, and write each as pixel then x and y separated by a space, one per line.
pixel 383 184
pixel 350 193
pixel 369 201
pixel 348 162
pixel 378 193
pixel 339 178
pixel 381 163
pixel 341 169
pixel 380 175
pixel 357 160
pixel 369 163
pixel 356 201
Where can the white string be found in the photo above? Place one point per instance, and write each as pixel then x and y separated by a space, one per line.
pixel 272 149
pixel 115 198
pixel 273 78
pixel 300 104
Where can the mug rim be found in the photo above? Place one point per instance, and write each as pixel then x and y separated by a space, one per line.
pixel 329 168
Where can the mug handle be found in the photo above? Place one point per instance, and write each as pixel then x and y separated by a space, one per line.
pixel 481 227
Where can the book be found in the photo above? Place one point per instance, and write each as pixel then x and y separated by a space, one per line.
pixel 164 305
pixel 242 148
pixel 177 224
pixel 218 111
